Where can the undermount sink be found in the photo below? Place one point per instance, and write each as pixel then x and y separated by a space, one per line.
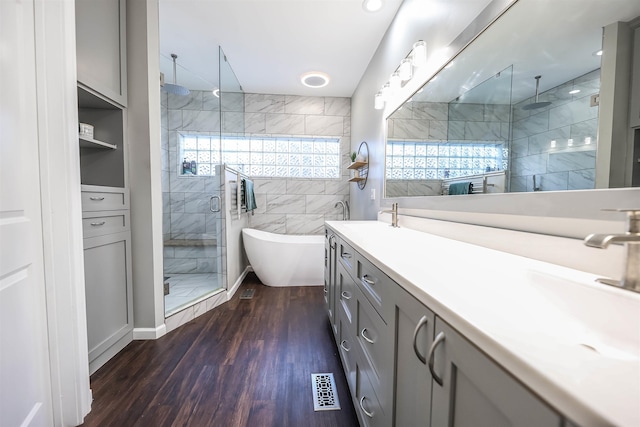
pixel 595 317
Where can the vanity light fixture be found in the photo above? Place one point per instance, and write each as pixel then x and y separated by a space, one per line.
pixel 405 70
pixel 419 54
pixel 372 5
pixel 315 79
pixel 394 81
pixel 385 91
pixel 378 101
pixel 573 92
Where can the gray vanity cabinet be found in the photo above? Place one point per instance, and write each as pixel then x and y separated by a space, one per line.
pixel 101 47
pixel 330 278
pixel 414 330
pixel 474 391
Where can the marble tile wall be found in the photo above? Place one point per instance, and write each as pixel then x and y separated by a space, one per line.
pixel 299 206
pixel 186 213
pixel 292 206
pixel 572 123
pixel 441 121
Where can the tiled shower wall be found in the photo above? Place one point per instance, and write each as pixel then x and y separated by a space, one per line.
pixel 297 205
pixel 441 121
pixel 563 167
pixel 291 206
pixel 186 213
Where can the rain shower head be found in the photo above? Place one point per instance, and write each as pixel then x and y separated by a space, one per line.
pixel 175 88
pixel 536 105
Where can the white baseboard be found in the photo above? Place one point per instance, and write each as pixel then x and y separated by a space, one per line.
pixel 231 292
pixel 149 333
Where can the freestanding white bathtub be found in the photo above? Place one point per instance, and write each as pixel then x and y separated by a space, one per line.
pixel 285 260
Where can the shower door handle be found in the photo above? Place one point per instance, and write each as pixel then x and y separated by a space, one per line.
pixel 217 208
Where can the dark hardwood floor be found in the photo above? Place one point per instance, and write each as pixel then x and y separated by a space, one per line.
pixel 244 363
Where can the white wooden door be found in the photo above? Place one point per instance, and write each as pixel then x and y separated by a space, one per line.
pixel 25 391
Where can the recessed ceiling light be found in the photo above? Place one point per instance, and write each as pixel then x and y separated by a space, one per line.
pixel 315 79
pixel 372 5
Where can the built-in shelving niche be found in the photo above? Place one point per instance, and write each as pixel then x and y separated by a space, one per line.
pixel 101 163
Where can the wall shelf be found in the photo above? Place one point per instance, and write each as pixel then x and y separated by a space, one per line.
pixel 361 168
pixel 86 142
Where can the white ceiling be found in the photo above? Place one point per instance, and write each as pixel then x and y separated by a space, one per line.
pixel 271 43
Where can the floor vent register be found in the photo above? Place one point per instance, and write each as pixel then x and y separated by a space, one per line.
pixel 247 294
pixel 325 394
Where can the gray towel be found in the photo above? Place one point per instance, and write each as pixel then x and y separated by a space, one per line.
pixel 249 196
pixel 460 188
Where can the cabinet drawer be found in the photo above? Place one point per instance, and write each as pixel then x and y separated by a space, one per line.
pixel 376 286
pixel 348 349
pixel 100 223
pixel 107 199
pixel 372 334
pixel 346 296
pixel 367 404
pixel 347 257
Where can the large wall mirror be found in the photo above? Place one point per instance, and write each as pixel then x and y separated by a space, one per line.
pixel 517 110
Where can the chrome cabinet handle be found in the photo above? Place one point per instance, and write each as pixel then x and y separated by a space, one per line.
pixel 211 208
pixel 368 281
pixel 423 321
pixel 367 413
pixel 96 198
pixel 98 224
pixel 346 295
pixel 366 338
pixel 439 338
pixel 344 347
pixel 346 255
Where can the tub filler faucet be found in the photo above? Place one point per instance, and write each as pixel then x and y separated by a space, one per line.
pixel 345 209
pixel 631 239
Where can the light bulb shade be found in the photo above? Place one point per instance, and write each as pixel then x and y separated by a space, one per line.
pixel 395 81
pixel 419 54
pixel 378 101
pixel 385 91
pixel 405 70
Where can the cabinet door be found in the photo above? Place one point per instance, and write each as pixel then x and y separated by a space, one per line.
pixel 414 335
pixel 477 392
pixel 108 294
pixel 100 44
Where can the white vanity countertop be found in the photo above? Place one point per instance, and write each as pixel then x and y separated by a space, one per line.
pixel 574 342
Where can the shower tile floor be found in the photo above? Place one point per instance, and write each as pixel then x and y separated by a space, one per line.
pixel 187 289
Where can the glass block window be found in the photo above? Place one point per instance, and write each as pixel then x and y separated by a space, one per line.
pixel 282 157
pixel 441 160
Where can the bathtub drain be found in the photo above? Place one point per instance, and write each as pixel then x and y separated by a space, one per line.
pixel 325 394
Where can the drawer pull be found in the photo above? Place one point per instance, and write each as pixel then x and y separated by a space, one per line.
pixel 367 413
pixel 346 295
pixel 363 334
pixel 421 323
pixel 439 338
pixel 96 198
pixel 326 291
pixel 344 347
pixel 346 255
pixel 368 281
pixel 98 224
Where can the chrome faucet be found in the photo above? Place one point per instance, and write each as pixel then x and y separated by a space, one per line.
pixel 631 276
pixel 394 214
pixel 345 209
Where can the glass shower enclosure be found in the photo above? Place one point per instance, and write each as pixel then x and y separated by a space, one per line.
pixel 193 214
